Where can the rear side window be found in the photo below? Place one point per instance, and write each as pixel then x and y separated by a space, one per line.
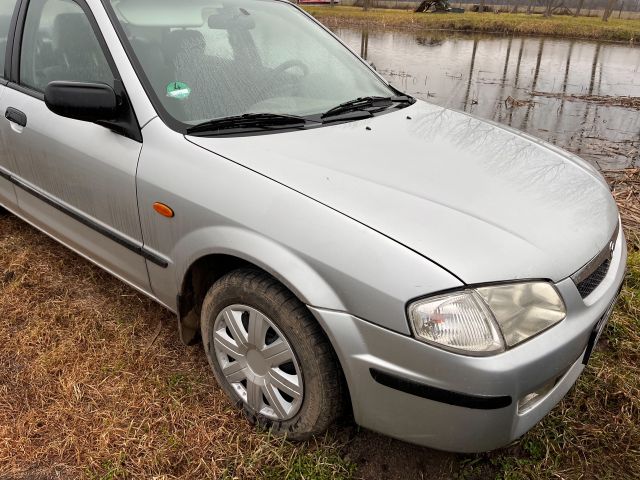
pixel 60 44
pixel 6 12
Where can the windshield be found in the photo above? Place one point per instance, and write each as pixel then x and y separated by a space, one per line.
pixel 209 59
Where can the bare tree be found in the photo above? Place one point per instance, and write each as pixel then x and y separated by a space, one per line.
pixel 530 6
pixel 611 4
pixel 481 8
pixel 550 6
pixel 580 5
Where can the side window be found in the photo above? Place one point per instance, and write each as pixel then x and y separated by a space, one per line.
pixel 6 11
pixel 59 44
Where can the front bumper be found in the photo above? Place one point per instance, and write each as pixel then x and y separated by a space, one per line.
pixel 427 406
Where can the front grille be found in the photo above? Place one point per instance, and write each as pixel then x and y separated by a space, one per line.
pixel 589 284
pixel 589 277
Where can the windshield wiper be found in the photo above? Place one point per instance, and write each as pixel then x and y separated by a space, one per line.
pixel 249 121
pixel 366 103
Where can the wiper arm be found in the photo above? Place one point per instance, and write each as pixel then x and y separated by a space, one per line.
pixel 365 103
pixel 249 120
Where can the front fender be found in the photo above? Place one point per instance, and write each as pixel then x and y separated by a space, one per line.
pixel 294 272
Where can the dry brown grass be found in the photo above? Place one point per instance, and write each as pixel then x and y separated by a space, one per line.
pixel 626 191
pixel 608 100
pixel 94 383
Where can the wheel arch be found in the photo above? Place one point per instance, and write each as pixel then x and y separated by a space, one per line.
pixel 244 249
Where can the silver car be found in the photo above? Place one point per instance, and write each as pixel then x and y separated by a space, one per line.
pixel 335 245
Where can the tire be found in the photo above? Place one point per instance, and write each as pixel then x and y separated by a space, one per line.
pixel 251 305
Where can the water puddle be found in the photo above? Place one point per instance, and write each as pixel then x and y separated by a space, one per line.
pixel 563 91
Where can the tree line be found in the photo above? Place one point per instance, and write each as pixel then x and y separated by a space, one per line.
pixel 549 7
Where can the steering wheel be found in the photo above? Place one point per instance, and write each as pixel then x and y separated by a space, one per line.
pixel 289 64
pixel 275 83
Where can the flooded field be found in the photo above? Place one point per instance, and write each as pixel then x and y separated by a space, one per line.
pixel 556 89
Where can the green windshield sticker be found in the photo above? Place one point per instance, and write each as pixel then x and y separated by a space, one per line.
pixel 178 90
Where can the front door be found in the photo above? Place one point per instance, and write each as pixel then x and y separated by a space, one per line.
pixel 75 180
pixel 7 192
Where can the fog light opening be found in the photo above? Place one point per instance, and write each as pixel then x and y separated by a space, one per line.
pixel 532 399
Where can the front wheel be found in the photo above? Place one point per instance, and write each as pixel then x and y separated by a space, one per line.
pixel 270 356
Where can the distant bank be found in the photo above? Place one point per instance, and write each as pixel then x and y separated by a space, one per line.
pixel 591 28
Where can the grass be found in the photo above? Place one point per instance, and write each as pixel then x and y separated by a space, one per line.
pixel 95 384
pixel 620 30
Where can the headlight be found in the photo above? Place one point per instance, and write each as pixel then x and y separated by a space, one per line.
pixel 487 320
pixel 524 309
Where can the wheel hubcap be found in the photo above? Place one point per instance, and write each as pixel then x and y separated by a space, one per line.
pixel 258 362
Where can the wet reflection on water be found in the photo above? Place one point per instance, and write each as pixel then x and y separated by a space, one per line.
pixel 493 77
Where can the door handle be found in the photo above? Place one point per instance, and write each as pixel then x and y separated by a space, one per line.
pixel 16 116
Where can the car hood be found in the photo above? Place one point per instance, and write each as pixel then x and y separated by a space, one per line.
pixel 485 202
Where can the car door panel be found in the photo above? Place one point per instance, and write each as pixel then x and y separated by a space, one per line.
pixel 7 166
pixel 75 180
pixel 8 10
pixel 71 174
pixel 82 164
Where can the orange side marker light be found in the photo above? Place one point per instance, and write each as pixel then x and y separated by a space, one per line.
pixel 163 210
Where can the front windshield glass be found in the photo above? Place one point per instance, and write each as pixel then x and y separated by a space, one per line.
pixel 209 59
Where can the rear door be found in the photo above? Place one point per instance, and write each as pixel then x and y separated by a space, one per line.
pixel 7 166
pixel 75 180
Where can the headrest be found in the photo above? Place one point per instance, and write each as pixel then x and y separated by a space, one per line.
pixel 184 42
pixel 72 34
